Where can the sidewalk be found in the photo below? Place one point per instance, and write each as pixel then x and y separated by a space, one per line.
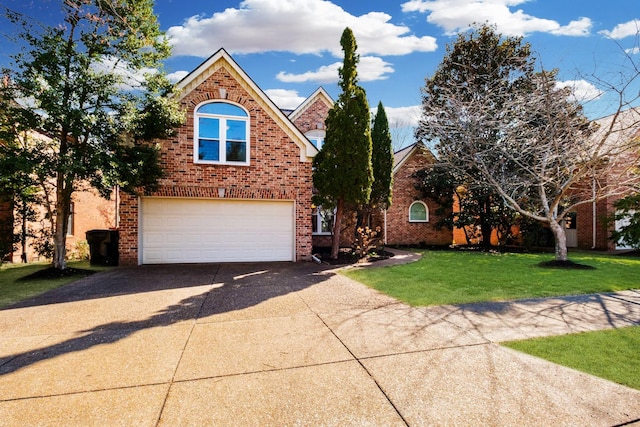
pixel 293 345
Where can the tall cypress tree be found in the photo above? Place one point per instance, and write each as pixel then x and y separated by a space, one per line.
pixel 382 160
pixel 342 170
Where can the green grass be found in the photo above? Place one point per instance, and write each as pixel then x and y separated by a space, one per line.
pixel 610 354
pixel 457 277
pixel 12 289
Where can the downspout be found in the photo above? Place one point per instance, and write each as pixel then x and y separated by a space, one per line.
pixel 116 221
pixel 593 213
pixel 385 227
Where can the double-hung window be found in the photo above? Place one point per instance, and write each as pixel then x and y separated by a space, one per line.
pixel 322 220
pixel 222 134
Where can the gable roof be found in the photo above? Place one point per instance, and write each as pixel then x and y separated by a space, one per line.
pixel 401 156
pixel 222 59
pixel 320 94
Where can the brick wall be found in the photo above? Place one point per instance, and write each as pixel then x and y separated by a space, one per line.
pixel 399 230
pixel 275 171
pixel 6 227
pixel 312 117
pixel 90 211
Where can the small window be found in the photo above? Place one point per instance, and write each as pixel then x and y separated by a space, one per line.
pixel 570 221
pixel 418 212
pixel 222 134
pixel 316 137
pixel 322 220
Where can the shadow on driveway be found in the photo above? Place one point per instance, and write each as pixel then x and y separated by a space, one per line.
pixel 230 287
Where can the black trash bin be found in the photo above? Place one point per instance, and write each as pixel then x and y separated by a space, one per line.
pixel 103 247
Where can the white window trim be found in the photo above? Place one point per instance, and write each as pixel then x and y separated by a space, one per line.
pixel 426 209
pixel 315 135
pixel 223 142
pixel 319 223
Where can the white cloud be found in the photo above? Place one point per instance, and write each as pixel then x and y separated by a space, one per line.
pixel 458 15
pixel 324 74
pixel 284 98
pixel 401 117
pixel 309 27
pixel 129 78
pixel 177 76
pixel 622 31
pixel 370 68
pixel 583 91
pixel 633 51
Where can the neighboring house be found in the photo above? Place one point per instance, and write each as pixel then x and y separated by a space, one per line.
pixel 411 219
pixel 6 228
pixel 89 211
pixel 237 183
pixel 591 226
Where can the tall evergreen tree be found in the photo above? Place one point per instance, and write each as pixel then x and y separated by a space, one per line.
pixel 342 170
pixel 381 160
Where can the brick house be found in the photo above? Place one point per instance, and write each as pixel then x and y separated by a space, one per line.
pixel 89 211
pixel 238 179
pixel 590 226
pixel 410 219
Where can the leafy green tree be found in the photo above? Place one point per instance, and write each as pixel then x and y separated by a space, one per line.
pixel 628 210
pixel 480 209
pixel 342 170
pixel 94 86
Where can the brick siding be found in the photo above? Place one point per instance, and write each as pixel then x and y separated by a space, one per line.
pixel 399 230
pixel 312 117
pixel 275 172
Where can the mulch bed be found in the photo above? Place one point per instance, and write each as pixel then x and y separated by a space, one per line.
pixel 346 257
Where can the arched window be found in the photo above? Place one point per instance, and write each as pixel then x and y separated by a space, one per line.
pixel 222 134
pixel 418 212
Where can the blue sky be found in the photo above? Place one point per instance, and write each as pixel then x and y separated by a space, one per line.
pixel 290 47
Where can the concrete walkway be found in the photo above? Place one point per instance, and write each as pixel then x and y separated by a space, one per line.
pixel 292 345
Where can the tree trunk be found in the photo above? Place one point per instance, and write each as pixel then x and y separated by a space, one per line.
pixel 337 225
pixel 23 233
pixel 560 238
pixel 63 205
pixel 485 225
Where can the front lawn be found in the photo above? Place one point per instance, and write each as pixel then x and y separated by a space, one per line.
pixel 458 277
pixel 610 354
pixel 14 287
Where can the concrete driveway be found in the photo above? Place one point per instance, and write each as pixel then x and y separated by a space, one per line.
pixel 289 344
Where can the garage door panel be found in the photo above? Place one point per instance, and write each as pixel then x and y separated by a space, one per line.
pixel 198 230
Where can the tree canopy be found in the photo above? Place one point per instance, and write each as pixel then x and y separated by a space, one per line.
pixel 501 122
pixel 94 87
pixel 342 170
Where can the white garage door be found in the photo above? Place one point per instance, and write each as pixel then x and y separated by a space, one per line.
pixel 198 230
